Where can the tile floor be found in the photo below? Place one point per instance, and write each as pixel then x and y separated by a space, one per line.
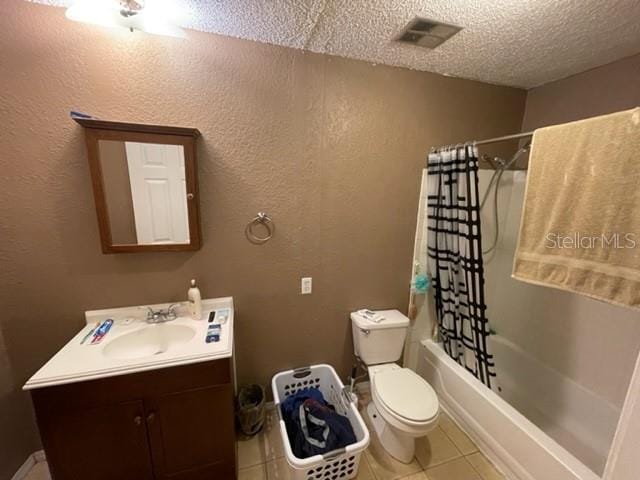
pixel 446 453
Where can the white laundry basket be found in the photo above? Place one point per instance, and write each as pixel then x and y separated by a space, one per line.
pixel 340 464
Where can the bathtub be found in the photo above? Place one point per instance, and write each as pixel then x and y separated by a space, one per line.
pixel 574 416
pixel 517 446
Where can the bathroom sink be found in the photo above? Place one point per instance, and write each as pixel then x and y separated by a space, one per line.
pixel 135 344
pixel 148 341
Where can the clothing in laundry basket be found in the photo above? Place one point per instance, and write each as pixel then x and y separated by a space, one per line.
pixel 313 425
pixel 292 402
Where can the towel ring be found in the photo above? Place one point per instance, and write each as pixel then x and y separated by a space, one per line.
pixel 261 219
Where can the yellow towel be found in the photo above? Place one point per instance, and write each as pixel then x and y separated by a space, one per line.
pixel 580 228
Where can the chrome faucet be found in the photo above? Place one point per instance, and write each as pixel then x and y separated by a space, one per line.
pixel 162 315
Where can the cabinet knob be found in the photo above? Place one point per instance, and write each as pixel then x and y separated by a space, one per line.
pixel 190 196
pixel 137 420
pixel 151 417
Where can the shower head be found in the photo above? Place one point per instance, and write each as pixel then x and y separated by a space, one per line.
pixel 498 163
pixel 495 162
pixel 524 149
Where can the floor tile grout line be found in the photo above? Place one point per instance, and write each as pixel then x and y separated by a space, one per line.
pixel 263 465
pixel 454 443
pixel 461 455
pixel 463 431
pixel 404 477
pixel 487 460
pixel 465 455
pixel 444 432
pixel 480 476
pixel 473 466
pixel 364 458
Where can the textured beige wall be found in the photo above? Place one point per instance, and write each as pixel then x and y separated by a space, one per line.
pixel 331 148
pixel 603 90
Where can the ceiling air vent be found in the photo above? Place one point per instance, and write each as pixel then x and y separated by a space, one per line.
pixel 427 33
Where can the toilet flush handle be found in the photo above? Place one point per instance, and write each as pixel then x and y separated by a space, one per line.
pixel 365 331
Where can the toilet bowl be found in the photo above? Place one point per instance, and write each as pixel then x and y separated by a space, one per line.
pixel 404 406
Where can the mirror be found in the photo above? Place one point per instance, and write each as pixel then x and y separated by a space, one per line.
pixel 145 188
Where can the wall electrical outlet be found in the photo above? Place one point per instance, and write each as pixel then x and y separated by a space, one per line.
pixel 306 284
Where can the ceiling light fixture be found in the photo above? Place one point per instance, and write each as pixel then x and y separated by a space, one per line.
pixel 150 16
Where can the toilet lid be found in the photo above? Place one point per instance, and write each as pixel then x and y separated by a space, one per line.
pixel 407 394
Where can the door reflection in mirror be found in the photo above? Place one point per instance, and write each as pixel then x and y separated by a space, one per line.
pixel 146 192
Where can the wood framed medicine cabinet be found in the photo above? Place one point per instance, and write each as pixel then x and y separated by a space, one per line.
pixel 145 186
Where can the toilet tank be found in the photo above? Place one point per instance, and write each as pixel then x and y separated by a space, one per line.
pixel 379 342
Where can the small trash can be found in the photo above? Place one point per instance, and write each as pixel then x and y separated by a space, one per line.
pixel 251 409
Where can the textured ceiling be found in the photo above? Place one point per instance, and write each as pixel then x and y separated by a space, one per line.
pixel 523 43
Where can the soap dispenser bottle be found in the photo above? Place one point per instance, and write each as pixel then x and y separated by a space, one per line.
pixel 195 301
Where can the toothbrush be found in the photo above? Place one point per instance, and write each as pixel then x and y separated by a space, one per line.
pixel 86 337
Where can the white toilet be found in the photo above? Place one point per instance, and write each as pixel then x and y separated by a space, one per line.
pixel 404 405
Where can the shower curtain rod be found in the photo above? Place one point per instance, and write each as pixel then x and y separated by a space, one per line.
pixel 505 138
pixel 515 136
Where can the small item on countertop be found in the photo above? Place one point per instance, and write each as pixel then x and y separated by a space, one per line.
pixel 213 333
pixel 222 315
pixel 195 301
pixel 371 315
pixel 86 337
pixel 101 331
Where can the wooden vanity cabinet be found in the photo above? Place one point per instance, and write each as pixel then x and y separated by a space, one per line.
pixel 174 423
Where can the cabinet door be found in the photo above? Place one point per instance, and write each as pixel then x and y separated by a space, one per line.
pixel 192 434
pixel 105 443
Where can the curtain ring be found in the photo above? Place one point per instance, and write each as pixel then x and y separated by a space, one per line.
pixel 261 219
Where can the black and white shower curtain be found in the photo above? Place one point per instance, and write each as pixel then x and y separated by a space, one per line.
pixel 454 249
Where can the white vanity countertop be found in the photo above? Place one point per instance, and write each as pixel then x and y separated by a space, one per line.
pixel 77 361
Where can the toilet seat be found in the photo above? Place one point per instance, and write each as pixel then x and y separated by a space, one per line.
pixel 406 396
